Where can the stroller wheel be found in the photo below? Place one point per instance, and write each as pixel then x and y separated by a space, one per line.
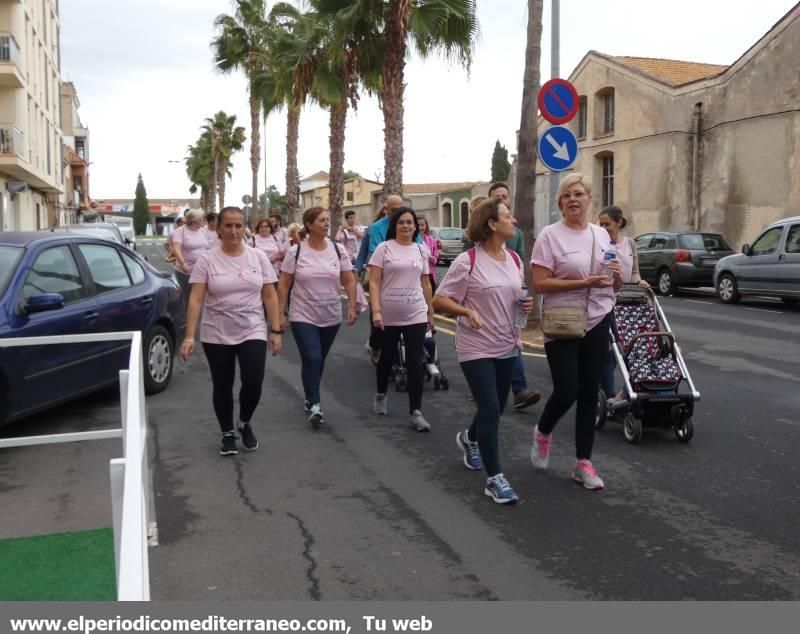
pixel 602 410
pixel 632 429
pixel 437 382
pixel 445 383
pixel 684 429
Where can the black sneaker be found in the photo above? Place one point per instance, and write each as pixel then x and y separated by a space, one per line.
pixel 228 445
pixel 249 440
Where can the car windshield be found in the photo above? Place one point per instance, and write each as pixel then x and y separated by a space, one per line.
pixel 703 242
pixel 8 259
pixel 450 234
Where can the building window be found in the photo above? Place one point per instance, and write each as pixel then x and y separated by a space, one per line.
pixel 607 183
pixel 464 214
pixel 582 118
pixel 77 183
pixel 608 112
pixel 349 197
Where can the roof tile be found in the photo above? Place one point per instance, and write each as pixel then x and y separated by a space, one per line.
pixel 671 71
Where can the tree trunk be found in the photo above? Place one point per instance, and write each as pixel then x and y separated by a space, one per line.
pixel 212 181
pixel 221 181
pixel 255 148
pixel 292 176
pixel 392 96
pixel 525 189
pixel 338 121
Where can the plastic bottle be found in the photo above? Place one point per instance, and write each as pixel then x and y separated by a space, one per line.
pixel 610 254
pixel 522 317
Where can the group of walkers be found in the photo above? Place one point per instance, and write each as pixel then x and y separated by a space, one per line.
pixel 246 291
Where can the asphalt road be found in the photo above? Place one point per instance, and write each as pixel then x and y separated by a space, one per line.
pixel 368 509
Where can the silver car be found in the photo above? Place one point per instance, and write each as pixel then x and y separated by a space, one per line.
pixel 769 267
pixel 451 242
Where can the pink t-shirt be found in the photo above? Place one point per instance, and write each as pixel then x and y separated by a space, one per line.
pixel 193 243
pixel 402 300
pixel 212 238
pixel 315 294
pixel 625 257
pixel 566 252
pixel 491 290
pixel 234 310
pixel 348 238
pixel 281 236
pixel 271 248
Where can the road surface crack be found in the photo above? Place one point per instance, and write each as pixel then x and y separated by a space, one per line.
pixel 308 538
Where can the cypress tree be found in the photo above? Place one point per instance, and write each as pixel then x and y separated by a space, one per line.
pixel 141 208
pixel 500 165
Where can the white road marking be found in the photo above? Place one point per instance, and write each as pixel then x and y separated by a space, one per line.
pixel 765 310
pixel 697 301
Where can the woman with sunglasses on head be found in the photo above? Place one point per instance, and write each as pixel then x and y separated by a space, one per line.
pixel 400 296
pixel 237 285
pixel 568 271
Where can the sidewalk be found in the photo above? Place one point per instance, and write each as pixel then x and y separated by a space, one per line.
pixel 531 335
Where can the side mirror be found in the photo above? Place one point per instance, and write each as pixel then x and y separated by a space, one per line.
pixel 128 241
pixel 747 250
pixel 43 302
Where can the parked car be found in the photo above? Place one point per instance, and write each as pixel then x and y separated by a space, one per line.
pixel 62 283
pixel 108 226
pixel 770 267
pixel 452 242
pixel 129 235
pixel 670 259
pixel 94 232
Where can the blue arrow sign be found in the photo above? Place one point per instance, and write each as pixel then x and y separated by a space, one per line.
pixel 558 148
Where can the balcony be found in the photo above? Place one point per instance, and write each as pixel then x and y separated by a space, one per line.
pixel 13 162
pixel 10 68
pixel 12 141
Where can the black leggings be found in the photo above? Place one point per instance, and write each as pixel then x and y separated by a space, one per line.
pixel 414 338
pixel 252 355
pixel 576 366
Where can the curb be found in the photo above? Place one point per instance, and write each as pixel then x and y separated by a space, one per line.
pixel 525 344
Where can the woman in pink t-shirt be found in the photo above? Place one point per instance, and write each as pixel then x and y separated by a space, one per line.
pixel 400 295
pixel 483 287
pixel 188 242
pixel 314 269
pixel 212 236
pixel 268 243
pixel 433 247
pixel 567 276
pixel 236 283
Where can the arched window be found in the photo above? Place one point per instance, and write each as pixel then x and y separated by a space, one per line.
pixel 447 213
pixel 581 118
pixel 605 107
pixel 464 214
pixel 605 171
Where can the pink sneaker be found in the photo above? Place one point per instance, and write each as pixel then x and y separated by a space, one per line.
pixel 540 451
pixel 585 474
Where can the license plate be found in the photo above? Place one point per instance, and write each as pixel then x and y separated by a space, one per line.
pixel 709 261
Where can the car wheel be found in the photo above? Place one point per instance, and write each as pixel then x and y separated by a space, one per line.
pixel 727 290
pixel 790 301
pixel 666 284
pixel 158 356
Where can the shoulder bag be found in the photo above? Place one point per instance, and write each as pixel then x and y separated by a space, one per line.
pixel 568 322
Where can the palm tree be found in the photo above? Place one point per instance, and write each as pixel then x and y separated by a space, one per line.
pixel 225 138
pixel 447 26
pixel 198 169
pixel 241 45
pixel 525 187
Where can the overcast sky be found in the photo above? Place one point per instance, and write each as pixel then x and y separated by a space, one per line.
pixel 145 80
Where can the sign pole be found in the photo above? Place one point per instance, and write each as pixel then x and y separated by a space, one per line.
pixel 555 71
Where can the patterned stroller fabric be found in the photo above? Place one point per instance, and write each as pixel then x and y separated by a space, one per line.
pixel 649 363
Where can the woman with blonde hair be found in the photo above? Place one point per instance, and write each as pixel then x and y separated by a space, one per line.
pixel 266 241
pixel 188 242
pixel 567 260
pixel 483 287
pixel 314 269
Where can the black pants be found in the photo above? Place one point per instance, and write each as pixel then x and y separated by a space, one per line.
pixel 489 381
pixel 414 338
pixel 252 355
pixel 576 366
pixel 375 334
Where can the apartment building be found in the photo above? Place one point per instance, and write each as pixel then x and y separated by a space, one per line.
pixel 31 169
pixel 75 158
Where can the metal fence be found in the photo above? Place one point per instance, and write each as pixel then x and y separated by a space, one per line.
pixel 130 476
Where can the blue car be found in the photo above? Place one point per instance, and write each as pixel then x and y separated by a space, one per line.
pixel 59 284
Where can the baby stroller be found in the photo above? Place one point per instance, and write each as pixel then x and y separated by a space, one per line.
pixel 433 367
pixel 658 389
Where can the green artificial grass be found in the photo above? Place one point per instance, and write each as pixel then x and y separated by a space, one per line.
pixel 60 567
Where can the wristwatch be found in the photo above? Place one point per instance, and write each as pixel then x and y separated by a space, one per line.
pixel 276 332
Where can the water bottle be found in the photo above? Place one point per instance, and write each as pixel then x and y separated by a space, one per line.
pixel 522 317
pixel 609 255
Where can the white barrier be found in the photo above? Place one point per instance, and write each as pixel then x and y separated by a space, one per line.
pixel 130 491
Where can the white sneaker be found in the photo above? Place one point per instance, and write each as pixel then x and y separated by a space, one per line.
pixel 585 474
pixel 418 422
pixel 379 405
pixel 316 418
pixel 432 369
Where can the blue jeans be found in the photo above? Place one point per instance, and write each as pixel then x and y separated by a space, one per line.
pixel 518 381
pixel 313 343
pixel 489 381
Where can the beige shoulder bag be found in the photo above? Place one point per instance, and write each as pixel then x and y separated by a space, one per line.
pixel 568 322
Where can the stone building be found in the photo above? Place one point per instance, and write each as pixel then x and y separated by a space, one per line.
pixel 682 145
